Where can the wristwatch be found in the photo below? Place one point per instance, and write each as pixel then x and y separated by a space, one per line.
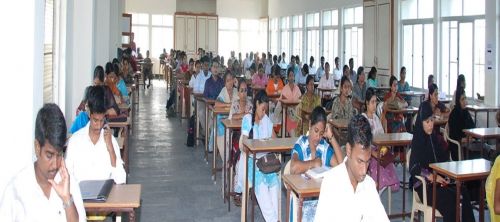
pixel 67 204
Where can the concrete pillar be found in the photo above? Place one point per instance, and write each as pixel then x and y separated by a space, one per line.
pixel 492 82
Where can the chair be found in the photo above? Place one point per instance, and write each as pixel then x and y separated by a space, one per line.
pixel 417 204
pixel 446 135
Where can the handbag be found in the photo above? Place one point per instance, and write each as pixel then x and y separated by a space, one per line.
pixel 269 163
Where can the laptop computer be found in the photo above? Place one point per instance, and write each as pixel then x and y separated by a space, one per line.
pixel 95 190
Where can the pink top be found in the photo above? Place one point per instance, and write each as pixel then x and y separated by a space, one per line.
pixel 291 94
pixel 259 81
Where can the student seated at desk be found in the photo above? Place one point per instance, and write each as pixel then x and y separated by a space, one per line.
pixel 241 104
pixel 438 108
pixel 311 151
pixel 275 84
pixel 259 79
pixel 213 87
pixel 291 92
pixel 347 193
pixel 342 107
pixel 426 150
pixel 194 73
pixel 460 84
pixel 307 102
pixel 199 87
pixel 372 78
pixel 492 188
pixel 302 77
pixel 393 100
pixel 459 120
pixel 403 86
pixel 44 190
pixel 359 90
pixel 226 96
pixel 93 153
pixel 326 82
pixel 113 75
pixel 111 81
pixel 387 170
pixel 258 126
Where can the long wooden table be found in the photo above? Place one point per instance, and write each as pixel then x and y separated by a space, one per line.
pixel 122 199
pixel 303 187
pixel 461 171
pixel 229 126
pixel 482 134
pixel 482 108
pixel 278 145
pixel 208 103
pixel 391 140
pixel 198 97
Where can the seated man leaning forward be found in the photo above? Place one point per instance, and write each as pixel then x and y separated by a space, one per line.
pixel 93 153
pixel 347 192
pixel 43 190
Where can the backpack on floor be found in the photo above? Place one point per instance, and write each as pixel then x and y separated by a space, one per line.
pixel 190 131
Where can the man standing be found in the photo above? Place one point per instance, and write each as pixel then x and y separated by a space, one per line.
pixel 337 73
pixel 93 152
pixel 44 190
pixel 347 193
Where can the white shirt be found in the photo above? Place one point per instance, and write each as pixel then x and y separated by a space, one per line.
pixel 337 74
pixel 87 161
pixel 312 70
pixel 338 201
pixel 199 82
pixel 24 199
pixel 319 73
pixel 247 63
pixel 375 124
pixel 325 83
pixel 192 81
pixel 267 67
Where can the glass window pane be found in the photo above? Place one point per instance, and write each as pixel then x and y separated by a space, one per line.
pixel 417 58
pixel 141 37
pixel 453 55
pixel 445 59
pixel 327 18
pixel 358 15
pixel 140 19
pixel 228 41
pixel 285 42
pixel 349 16
pixel 162 20
pixel 425 8
pixel 335 17
pixel 228 23
pixel 479 54
pixel 408 10
pixel 408 52
pixel 250 24
pixel 297 43
pixel 162 38
pixel 465 54
pixel 474 7
pixel 428 54
pixel 451 7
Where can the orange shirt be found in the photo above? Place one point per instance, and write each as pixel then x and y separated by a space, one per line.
pixel 271 89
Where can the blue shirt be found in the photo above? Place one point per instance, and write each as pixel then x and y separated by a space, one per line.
pixel 122 87
pixel 303 151
pixel 213 87
pixel 81 121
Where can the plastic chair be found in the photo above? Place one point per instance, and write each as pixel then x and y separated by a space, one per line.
pixel 446 135
pixel 417 204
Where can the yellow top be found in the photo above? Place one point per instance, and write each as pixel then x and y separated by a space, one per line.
pixel 490 189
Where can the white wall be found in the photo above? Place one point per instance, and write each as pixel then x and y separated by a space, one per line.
pixel 197 6
pixel 151 6
pixel 102 32
pixel 492 34
pixel 25 66
pixel 114 29
pixel 278 8
pixel 248 9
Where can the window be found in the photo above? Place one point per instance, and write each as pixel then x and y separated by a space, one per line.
pixel 353 35
pixel 273 32
pixel 48 53
pixel 418 57
pixel 153 32
pixel 417 9
pixel 228 36
pixel 297 35
pixel 462 7
pixel 285 36
pixel 312 37
pixel 249 35
pixel 330 35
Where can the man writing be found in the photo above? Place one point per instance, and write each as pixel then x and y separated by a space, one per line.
pixel 44 191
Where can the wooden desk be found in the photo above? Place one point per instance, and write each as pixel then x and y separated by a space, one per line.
pixel 340 124
pixel 229 126
pixel 391 140
pixel 482 108
pixel 461 171
pixel 322 91
pixel 419 94
pixel 122 199
pixel 482 134
pixel 303 188
pixel 408 110
pixel 285 104
pixel 198 97
pixel 215 112
pixel 124 126
pixel 278 145
pixel 208 104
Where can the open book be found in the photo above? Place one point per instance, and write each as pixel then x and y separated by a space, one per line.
pixel 317 172
pixel 95 190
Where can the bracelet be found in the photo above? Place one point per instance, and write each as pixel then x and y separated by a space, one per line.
pixel 69 203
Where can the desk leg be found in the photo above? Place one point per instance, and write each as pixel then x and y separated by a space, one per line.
pixel 244 201
pixel 481 201
pixel 287 211
pixel 475 116
pixel 253 186
pixel 481 148
pixel 283 121
pixel 299 210
pixel 197 124
pixel 457 199
pixel 434 176
pixel 487 119
pixel 214 149
pixel 131 216
pixel 224 180
pixel 206 132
